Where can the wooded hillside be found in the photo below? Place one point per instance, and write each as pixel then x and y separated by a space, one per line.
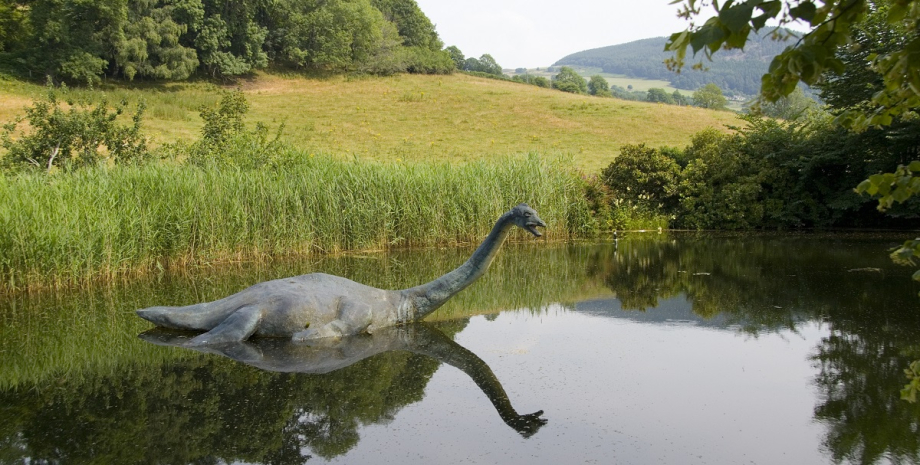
pixel 86 40
pixel 734 71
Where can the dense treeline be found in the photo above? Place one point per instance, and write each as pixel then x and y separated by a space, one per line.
pixel 86 40
pixel 768 175
pixel 733 71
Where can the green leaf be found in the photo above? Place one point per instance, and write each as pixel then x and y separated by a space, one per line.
pixel 836 65
pixel 736 17
pixel 897 12
pixel 771 9
pixel 707 34
pixel 738 40
pixel 878 179
pixel 678 41
pixel 804 11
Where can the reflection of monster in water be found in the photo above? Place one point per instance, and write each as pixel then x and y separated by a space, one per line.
pixel 328 355
pixel 212 409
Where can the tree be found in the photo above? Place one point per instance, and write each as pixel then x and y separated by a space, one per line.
pixel 339 35
pixel 213 42
pixel 231 41
pixel 488 65
pixel 710 96
pixel 679 99
pixel 597 85
pixel 13 27
pixel 71 37
pixel 569 81
pixel 457 56
pixel 659 95
pixel 484 64
pixel 152 42
pixel 814 53
pixel 471 64
pixel 414 27
pixel 789 107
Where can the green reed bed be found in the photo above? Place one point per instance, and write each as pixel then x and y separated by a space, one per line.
pixel 105 223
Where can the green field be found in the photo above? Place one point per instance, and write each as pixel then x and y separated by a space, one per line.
pixel 454 118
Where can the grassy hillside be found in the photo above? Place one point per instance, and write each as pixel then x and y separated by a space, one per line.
pixel 412 117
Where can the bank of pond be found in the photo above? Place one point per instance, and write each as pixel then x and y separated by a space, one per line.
pixel 674 347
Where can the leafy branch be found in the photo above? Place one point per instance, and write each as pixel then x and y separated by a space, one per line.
pixel 815 53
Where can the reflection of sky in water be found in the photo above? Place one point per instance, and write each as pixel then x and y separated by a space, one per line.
pixel 615 391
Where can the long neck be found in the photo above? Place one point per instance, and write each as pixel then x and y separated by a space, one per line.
pixel 426 298
pixel 431 342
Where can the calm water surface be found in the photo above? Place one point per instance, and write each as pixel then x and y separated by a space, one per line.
pixel 657 349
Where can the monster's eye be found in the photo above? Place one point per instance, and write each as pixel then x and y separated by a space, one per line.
pixel 527 214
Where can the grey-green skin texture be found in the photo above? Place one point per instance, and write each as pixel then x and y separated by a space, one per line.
pixel 318 305
pixel 330 354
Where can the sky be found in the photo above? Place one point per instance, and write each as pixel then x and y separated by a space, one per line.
pixel 536 33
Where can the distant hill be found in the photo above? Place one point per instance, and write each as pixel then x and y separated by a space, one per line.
pixel 734 71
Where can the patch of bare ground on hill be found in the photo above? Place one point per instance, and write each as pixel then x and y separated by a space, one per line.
pixel 407 118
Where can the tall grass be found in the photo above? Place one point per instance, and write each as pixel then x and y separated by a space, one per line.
pixel 105 223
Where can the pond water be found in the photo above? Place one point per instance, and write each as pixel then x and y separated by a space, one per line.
pixel 655 349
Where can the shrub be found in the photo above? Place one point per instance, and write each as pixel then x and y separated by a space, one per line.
pixel 420 60
pixel 720 187
pixel 85 134
pixel 225 140
pixel 643 175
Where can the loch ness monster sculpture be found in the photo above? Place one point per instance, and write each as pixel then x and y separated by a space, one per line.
pixel 318 305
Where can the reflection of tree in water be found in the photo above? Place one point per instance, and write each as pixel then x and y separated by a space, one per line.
pixel 769 283
pixel 759 281
pixel 206 409
pixel 866 418
pixel 731 280
pixel 861 367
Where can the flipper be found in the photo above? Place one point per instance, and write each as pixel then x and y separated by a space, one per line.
pixel 196 317
pixel 236 327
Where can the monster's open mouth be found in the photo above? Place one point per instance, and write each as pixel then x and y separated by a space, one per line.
pixel 532 228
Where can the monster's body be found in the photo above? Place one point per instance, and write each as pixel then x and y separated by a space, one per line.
pixel 319 305
pixel 289 307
